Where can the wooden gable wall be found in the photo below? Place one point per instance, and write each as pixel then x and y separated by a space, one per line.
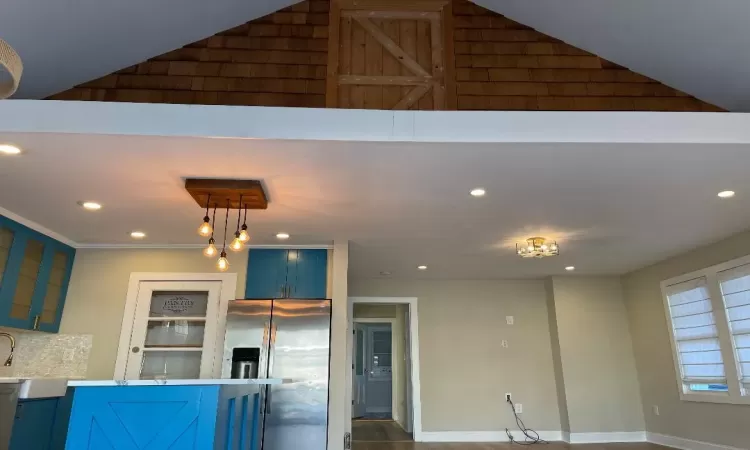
pixel 283 59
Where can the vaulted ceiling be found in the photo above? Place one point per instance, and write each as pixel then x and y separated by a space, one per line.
pixel 693 45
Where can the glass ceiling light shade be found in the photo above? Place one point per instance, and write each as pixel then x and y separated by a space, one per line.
pixel 11 69
pixel 537 247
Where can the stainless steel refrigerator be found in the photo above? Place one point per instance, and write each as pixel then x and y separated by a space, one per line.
pixel 294 341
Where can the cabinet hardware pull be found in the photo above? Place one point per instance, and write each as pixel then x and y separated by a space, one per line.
pixel 36 322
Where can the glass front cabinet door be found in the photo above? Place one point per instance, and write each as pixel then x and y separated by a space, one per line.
pixel 34 274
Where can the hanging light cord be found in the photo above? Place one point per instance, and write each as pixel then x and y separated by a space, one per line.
pixel 213 227
pixel 244 220
pixel 208 205
pixel 226 223
pixel 239 208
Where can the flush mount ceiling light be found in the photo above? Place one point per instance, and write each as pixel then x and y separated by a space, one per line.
pixel 537 247
pixel 726 194
pixel 230 194
pixel 91 206
pixel 11 69
pixel 477 192
pixel 422 267
pixel 570 268
pixel 7 149
pixel 137 234
pixel 282 236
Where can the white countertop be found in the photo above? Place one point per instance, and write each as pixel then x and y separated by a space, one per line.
pixel 207 382
pixel 7 380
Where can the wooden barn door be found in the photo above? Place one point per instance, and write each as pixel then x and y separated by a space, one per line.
pixel 390 54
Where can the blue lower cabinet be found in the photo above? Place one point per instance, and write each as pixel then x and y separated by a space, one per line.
pixel 163 417
pixel 32 428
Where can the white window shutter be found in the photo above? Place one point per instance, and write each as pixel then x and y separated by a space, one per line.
pixel 695 334
pixel 735 289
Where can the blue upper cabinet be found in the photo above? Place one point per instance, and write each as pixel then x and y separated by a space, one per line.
pixel 34 274
pixel 266 273
pixel 282 273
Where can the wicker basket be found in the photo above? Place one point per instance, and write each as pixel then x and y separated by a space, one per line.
pixel 10 62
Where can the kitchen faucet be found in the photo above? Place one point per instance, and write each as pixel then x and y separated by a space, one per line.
pixel 9 361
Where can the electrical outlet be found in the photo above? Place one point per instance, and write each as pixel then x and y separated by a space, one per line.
pixel 504 343
pixel 507 397
pixel 656 409
pixel 518 407
pixel 509 320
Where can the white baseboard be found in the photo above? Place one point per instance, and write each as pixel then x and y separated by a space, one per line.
pixel 482 436
pixel 685 444
pixel 599 438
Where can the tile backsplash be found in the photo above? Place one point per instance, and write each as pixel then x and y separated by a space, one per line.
pixel 46 355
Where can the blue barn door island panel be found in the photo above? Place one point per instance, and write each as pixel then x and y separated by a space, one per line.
pixel 143 417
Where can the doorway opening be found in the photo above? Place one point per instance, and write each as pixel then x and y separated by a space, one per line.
pixel 382 370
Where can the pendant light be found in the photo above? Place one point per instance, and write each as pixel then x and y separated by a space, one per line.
pixel 211 251
pixel 222 264
pixel 206 229
pixel 244 235
pixel 237 243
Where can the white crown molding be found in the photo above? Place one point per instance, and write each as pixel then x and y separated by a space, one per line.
pixel 685 444
pixel 482 436
pixel 606 437
pixel 57 236
pixel 193 246
pixel 38 228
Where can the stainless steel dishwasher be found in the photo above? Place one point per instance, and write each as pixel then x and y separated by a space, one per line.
pixel 8 402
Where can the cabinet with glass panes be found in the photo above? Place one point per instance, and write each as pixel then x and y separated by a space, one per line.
pixel 34 274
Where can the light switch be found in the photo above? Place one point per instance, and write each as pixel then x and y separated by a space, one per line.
pixel 509 320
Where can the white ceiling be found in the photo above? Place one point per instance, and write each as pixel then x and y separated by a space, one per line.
pixel 65 43
pixel 612 207
pixel 697 46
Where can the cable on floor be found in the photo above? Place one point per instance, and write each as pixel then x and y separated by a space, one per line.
pixel 531 437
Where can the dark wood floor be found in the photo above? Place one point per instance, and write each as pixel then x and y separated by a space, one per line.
pixel 498 446
pixel 388 435
pixel 378 431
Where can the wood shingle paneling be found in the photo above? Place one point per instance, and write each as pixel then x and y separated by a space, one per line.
pixel 492 63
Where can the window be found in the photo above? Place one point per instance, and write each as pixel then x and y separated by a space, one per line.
pixel 696 337
pixel 709 315
pixel 735 290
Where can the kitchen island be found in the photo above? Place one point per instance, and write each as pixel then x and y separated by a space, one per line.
pixel 159 414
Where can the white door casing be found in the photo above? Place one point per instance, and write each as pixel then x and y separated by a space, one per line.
pixel 220 289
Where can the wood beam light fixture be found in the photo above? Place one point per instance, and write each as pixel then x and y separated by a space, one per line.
pixel 231 194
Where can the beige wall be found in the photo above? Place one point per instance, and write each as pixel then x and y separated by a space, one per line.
pixel 368 311
pixel 562 402
pixel 98 287
pixel 596 355
pixel 708 422
pixel 464 370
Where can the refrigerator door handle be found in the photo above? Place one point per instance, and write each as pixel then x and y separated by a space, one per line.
pixel 272 352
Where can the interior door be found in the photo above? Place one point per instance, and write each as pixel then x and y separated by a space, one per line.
pixel 379 388
pixel 174 330
pixel 359 357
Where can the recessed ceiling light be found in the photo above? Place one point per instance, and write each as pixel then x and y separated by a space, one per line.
pixel 422 267
pixel 478 192
pixel 7 149
pixel 726 194
pixel 282 236
pixel 570 268
pixel 138 235
pixel 385 273
pixel 91 206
